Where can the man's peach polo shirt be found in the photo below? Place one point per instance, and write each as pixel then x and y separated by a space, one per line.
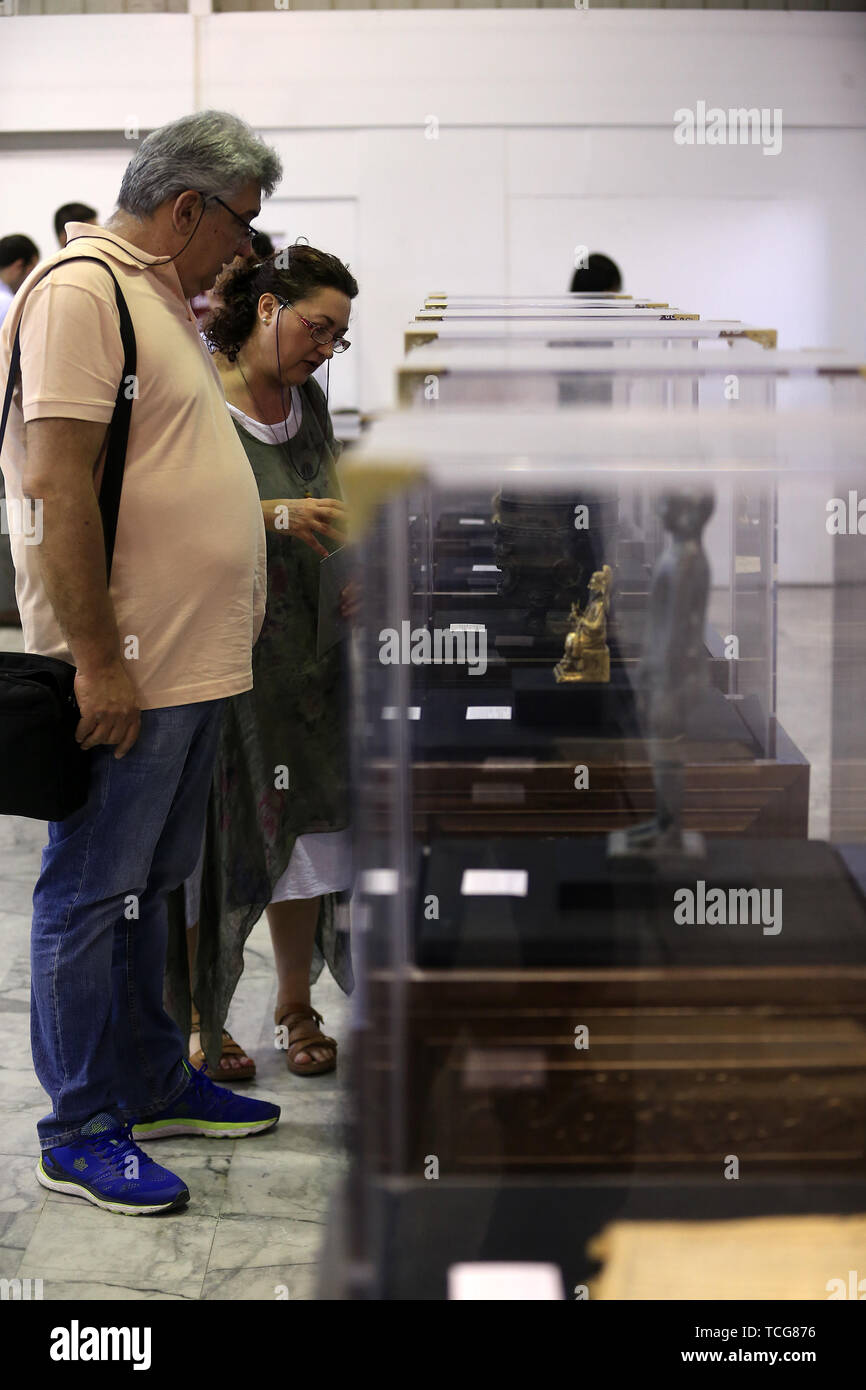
pixel 189 578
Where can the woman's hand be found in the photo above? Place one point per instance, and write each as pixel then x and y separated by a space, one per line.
pixel 350 599
pixel 307 518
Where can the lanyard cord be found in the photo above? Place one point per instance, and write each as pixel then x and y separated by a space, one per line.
pixel 148 265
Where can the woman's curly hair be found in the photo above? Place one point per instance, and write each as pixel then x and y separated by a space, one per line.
pixel 291 274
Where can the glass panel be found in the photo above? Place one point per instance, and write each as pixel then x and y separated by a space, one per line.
pixel 569 1015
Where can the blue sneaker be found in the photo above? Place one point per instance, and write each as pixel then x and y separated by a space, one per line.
pixel 214 1111
pixel 106 1168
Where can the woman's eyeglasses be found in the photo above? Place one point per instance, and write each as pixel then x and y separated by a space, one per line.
pixel 318 332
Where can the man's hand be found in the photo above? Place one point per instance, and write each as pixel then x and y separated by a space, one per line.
pixel 306 518
pixel 109 707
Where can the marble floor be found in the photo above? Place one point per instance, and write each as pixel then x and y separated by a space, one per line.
pixel 256 1220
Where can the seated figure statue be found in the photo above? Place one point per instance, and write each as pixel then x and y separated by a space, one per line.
pixel 587 656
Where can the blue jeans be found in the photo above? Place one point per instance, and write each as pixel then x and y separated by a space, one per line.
pixel 101 1038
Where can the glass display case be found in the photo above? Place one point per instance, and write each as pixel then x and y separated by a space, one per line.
pixel 716 373
pixel 604 944
pixel 661 330
pixel 578 299
pixel 512 311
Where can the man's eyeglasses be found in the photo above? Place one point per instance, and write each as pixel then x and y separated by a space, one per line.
pixel 318 332
pixel 248 227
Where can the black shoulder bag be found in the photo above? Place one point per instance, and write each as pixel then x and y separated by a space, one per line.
pixel 44 773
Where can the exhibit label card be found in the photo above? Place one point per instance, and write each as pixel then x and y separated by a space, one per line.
pixel 494 883
pixel 495 1282
pixel 379 881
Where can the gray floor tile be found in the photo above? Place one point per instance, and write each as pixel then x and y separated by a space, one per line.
pixel 288 1184
pixel 73 1291
pixel 22 865
pixel 22 1103
pixel 14 1040
pixel 17 1227
pixel 278 1281
pixel 15 957
pixel 16 895
pixel 19 1191
pixel 19 1127
pixel 21 1201
pixel 162 1254
pixel 19 832
pixel 205 1173
pixel 257 1242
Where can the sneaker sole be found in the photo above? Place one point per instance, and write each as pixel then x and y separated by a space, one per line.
pixel 75 1189
pixel 208 1129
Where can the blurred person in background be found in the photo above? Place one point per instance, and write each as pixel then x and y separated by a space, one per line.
pixel 281 851
pixel 18 256
pixel 600 275
pixel 72 212
pixel 262 246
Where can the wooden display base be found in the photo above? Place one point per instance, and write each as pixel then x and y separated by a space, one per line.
pixel 764 1065
pixel 498 777
pixel 675 1047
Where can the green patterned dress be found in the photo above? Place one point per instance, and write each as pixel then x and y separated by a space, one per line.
pixel 294 718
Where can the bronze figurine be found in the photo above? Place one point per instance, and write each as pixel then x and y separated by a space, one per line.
pixel 587 655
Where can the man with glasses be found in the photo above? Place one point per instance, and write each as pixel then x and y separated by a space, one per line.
pixel 157 650
pixel 205 301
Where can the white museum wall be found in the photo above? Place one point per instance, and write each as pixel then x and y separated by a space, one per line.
pixel 555 129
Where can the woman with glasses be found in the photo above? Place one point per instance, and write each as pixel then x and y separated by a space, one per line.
pixel 277 836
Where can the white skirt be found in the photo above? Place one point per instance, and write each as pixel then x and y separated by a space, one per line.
pixel 321 863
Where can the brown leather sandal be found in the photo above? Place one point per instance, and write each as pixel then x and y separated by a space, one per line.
pixel 230 1048
pixel 291 1015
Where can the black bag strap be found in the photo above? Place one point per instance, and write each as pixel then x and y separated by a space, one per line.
pixel 118 429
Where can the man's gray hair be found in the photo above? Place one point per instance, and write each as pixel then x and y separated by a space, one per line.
pixel 213 152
